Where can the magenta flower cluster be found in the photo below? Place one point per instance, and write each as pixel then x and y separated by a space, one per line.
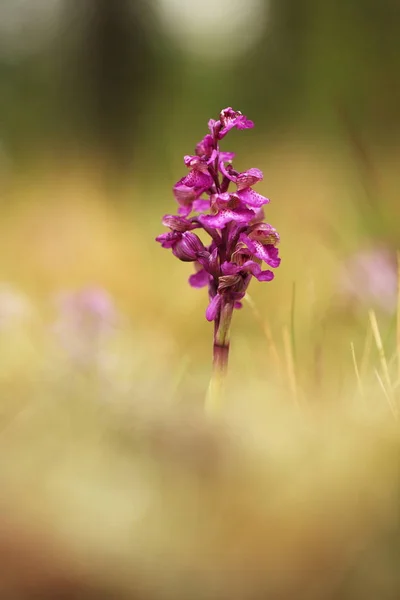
pixel 234 219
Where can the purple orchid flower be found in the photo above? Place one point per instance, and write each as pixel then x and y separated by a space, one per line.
pixel 240 239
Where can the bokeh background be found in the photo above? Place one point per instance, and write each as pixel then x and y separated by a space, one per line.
pixel 99 102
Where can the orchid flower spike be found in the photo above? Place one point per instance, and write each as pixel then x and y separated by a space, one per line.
pixel 221 201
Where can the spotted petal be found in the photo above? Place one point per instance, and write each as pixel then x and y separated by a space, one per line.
pixel 218 221
pixel 198 179
pixel 230 118
pixel 252 198
pixel 265 252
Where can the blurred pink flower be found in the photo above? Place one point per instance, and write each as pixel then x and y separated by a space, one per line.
pixel 369 278
pixel 86 319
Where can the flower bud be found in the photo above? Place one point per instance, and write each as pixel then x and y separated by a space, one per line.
pixel 264 233
pixel 189 248
pixel 214 263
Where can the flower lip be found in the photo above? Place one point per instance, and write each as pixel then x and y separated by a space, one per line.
pixel 251 198
pixel 199 279
pixel 225 216
pixel 266 252
pixel 197 178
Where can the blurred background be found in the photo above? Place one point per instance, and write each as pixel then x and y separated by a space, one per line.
pixel 99 102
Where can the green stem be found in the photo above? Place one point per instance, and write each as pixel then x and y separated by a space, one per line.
pixel 216 389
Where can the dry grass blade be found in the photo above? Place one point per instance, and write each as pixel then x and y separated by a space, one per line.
pixel 366 354
pixel 388 397
pixel 380 348
pixel 386 383
pixel 356 370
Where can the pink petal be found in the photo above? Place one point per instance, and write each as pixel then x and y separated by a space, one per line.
pixel 233 118
pixel 241 215
pixel 226 156
pixel 196 163
pixel 264 233
pixel 213 308
pixel 205 147
pixel 249 266
pixel 227 173
pixel 183 193
pixel 267 253
pixel 177 223
pixel 221 200
pixel 248 178
pixel 251 198
pixel 265 276
pixel 168 240
pixel 201 205
pixel 252 267
pixel 229 268
pixel 199 279
pixel 198 179
pixel 211 123
pixel 184 211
